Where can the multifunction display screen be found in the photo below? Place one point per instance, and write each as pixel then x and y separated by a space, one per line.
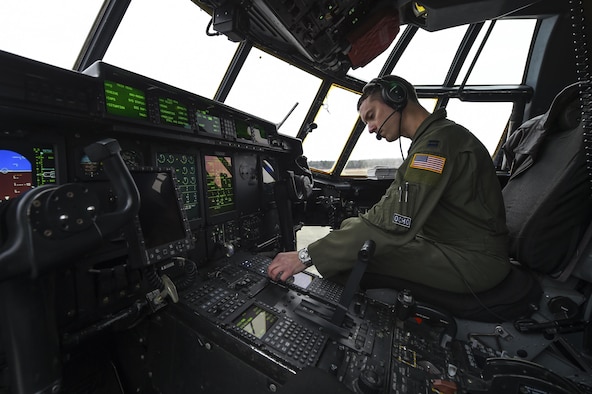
pixel 219 184
pixel 125 100
pixel 173 112
pixel 185 167
pixel 19 174
pixel 208 123
pixel 256 321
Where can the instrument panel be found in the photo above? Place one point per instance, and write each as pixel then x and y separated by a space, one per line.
pixel 375 350
pixel 221 157
pixel 138 100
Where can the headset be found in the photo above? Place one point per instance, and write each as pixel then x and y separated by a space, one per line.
pixel 394 94
pixel 392 89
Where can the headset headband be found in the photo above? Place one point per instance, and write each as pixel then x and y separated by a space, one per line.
pixel 392 90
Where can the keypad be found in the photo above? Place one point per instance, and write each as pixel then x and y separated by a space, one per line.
pixel 212 300
pixel 295 341
pixel 326 289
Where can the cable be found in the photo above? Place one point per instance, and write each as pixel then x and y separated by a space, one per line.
pixel 582 69
pixel 190 271
pixel 208 33
pixel 400 143
pixel 152 277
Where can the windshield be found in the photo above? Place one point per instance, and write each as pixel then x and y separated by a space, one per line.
pixel 48 31
pixel 172 41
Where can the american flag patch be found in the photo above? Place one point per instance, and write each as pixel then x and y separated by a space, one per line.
pixel 424 161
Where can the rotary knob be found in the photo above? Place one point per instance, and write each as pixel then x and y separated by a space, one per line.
pixel 369 381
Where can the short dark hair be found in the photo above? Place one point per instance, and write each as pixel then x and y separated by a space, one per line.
pixel 373 89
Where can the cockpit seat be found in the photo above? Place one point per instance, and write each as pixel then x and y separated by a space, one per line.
pixel 516 296
pixel 548 195
pixel 548 210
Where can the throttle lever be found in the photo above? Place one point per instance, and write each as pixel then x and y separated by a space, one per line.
pixel 353 281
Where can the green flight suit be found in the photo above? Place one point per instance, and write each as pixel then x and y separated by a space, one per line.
pixel 441 222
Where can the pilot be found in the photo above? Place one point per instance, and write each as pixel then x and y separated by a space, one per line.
pixel 441 223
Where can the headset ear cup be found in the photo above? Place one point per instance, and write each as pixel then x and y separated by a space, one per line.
pixel 392 89
pixel 394 94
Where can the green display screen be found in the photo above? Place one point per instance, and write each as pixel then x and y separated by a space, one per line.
pixel 124 100
pixel 45 165
pixel 186 173
pixel 256 321
pixel 242 130
pixel 219 184
pixel 208 123
pixel 173 112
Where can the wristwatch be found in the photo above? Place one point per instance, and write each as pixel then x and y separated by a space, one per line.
pixel 304 257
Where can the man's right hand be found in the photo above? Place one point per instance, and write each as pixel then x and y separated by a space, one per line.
pixel 285 265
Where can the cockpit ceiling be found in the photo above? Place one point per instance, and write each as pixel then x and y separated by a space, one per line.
pixel 433 15
pixel 335 36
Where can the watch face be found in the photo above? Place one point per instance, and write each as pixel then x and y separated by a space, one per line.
pixel 303 255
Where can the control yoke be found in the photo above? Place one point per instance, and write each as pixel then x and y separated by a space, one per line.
pixel 50 225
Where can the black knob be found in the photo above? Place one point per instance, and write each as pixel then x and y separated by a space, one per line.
pixel 369 381
pixel 405 305
pixel 367 250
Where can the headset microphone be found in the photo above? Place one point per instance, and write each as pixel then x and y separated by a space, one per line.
pixel 378 136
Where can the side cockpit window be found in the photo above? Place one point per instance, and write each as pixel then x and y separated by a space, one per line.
pixel 495 56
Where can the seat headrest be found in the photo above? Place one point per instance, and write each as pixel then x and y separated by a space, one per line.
pixel 564 113
pixel 570 117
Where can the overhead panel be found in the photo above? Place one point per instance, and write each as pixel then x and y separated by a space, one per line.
pixel 332 35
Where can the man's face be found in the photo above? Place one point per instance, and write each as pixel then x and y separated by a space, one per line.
pixel 377 115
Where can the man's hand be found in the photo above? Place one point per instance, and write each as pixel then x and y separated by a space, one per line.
pixel 284 265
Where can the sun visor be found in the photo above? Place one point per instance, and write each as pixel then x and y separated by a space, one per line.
pixel 373 37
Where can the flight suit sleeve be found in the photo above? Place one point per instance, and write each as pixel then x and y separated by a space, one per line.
pixel 338 250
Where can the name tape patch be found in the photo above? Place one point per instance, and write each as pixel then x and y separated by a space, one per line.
pixel 404 221
pixel 423 161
